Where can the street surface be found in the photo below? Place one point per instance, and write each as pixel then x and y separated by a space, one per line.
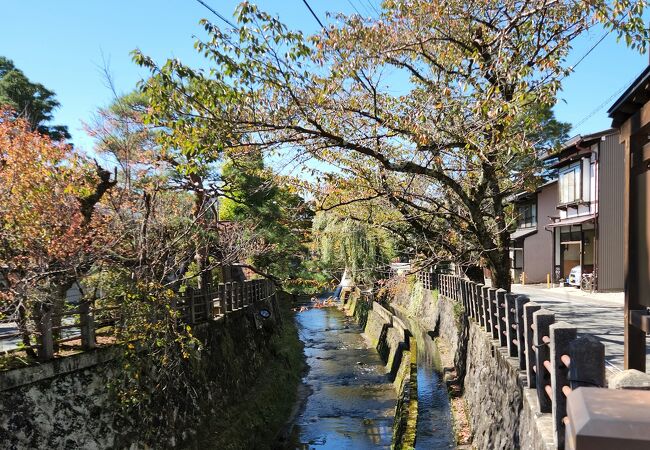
pixel 599 314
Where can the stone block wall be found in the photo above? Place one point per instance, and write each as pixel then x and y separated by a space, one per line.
pixel 66 403
pixel 502 410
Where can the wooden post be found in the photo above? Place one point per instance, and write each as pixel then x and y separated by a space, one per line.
pixel 87 325
pixel 635 337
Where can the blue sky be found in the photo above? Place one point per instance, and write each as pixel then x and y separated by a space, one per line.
pixel 63 43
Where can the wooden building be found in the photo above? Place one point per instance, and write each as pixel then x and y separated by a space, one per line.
pixel 531 249
pixel 631 115
pixel 588 228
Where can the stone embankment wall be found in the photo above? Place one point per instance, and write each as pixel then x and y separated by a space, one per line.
pixel 392 339
pixel 66 403
pixel 502 410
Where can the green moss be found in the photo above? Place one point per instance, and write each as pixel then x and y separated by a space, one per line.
pixel 417 298
pixel 363 307
pixel 406 413
pixel 257 418
pixel 458 312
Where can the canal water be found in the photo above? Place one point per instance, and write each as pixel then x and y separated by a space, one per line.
pixel 352 402
pixel 434 425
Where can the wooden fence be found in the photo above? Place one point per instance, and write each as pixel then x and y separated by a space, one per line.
pixel 84 323
pixel 554 359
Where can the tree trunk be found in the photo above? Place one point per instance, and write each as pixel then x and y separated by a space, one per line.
pixel 475 274
pixel 23 327
pixel 501 269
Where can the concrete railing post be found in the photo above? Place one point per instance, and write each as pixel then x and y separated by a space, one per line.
pixel 221 309
pixel 87 325
pixel 494 319
pixel 471 297
pixel 511 324
pixel 227 297
pixel 587 362
pixel 542 321
pixel 529 309
pixel 463 295
pixel 502 318
pixel 478 302
pixel 561 334
pixel 45 335
pixel 485 299
pixel 520 301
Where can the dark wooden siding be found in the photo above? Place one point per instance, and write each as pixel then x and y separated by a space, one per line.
pixel 610 214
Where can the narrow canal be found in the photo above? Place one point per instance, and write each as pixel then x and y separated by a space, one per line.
pixel 352 403
pixel 434 425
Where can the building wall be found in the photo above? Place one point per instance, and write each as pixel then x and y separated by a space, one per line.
pixel 611 194
pixel 538 247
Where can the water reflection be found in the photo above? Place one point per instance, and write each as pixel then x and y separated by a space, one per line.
pixel 434 426
pixel 352 402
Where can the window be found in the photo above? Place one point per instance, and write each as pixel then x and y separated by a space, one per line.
pixel 570 184
pixel 527 216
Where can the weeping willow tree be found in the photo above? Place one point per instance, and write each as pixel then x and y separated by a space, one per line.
pixel 344 244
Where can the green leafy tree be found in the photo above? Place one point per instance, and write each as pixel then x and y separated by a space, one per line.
pixel 33 101
pixel 449 148
pixel 277 217
pixel 342 243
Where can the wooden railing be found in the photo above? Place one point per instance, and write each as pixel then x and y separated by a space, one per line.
pixel 554 359
pixel 84 323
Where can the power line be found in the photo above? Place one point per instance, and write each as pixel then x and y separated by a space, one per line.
pixel 590 50
pixel 603 104
pixel 354 7
pixel 373 7
pixel 217 14
pixel 315 16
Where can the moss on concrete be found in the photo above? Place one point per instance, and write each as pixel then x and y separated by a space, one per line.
pixel 406 412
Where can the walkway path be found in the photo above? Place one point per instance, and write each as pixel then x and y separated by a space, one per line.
pixel 597 314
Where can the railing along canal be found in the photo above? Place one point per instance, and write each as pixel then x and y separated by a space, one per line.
pixel 554 360
pixel 85 323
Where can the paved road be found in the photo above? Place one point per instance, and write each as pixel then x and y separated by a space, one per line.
pixel 599 314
